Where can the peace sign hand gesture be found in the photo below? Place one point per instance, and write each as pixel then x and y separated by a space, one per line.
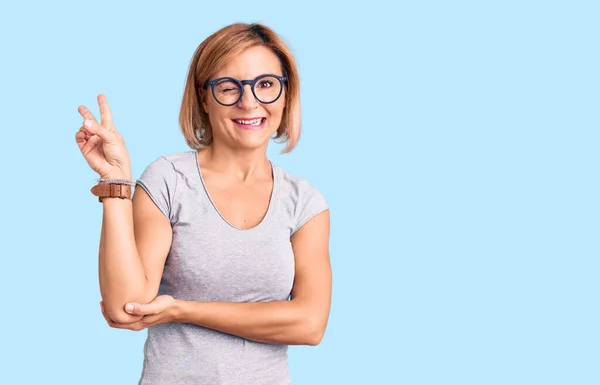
pixel 101 144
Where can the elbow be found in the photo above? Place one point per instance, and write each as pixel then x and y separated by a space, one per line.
pixel 117 314
pixel 314 332
pixel 315 338
pixel 114 306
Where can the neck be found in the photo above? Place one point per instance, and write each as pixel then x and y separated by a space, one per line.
pixel 242 164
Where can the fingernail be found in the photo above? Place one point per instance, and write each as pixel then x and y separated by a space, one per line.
pixel 88 123
pixel 129 308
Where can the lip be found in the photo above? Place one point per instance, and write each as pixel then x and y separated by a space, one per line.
pixel 248 127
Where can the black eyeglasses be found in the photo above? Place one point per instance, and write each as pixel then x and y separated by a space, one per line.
pixel 229 91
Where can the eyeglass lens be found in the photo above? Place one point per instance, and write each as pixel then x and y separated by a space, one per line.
pixel 266 89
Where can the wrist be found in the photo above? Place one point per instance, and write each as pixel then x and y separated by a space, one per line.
pixel 123 175
pixel 118 173
pixel 178 311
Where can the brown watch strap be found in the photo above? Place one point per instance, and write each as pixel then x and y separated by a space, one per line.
pixel 111 190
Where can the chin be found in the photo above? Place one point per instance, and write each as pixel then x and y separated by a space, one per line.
pixel 251 144
pixel 253 138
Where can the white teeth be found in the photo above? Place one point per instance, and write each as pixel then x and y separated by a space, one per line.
pixel 254 122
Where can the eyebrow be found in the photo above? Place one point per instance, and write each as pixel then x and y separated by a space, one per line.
pixel 233 77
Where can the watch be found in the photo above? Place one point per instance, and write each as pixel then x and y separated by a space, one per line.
pixel 111 190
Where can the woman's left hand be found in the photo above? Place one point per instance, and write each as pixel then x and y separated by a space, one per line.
pixel 159 311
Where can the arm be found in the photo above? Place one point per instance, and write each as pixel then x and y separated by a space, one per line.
pixel 134 243
pixel 135 236
pixel 300 321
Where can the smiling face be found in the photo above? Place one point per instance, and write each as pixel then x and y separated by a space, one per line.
pixel 248 123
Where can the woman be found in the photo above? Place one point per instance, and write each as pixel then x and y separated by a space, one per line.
pixel 222 255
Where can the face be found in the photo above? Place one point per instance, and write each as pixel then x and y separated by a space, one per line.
pixel 236 125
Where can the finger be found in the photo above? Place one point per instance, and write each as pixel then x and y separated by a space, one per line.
pixel 138 327
pixel 81 142
pixel 85 133
pixel 105 113
pixel 94 128
pixel 90 144
pixel 85 113
pixel 80 138
pixel 152 319
pixel 145 309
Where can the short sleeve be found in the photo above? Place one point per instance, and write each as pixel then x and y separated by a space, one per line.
pixel 310 203
pixel 159 181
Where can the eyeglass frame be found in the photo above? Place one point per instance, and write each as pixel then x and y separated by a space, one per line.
pixel 242 83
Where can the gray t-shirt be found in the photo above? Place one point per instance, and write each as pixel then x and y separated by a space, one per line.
pixel 210 260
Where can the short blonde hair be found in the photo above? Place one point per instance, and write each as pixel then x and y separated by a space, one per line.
pixel 212 55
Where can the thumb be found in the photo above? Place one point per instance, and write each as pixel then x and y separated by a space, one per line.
pixel 135 308
pixel 98 129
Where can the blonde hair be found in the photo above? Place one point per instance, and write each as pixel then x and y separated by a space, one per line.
pixel 214 53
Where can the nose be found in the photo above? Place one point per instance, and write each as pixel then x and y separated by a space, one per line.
pixel 248 100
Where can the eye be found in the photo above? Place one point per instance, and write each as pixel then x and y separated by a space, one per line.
pixel 265 84
pixel 227 87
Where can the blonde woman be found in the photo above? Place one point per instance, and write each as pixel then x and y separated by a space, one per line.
pixel 221 254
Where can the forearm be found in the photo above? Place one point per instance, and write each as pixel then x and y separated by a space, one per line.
pixel 278 322
pixel 121 273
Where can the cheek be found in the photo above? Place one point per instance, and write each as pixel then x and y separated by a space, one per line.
pixel 276 110
pixel 276 118
pixel 217 115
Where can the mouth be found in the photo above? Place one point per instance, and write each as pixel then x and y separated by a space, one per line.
pixel 250 123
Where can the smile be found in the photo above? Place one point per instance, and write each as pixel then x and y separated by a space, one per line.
pixel 250 124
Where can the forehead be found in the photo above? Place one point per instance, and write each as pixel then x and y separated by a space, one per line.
pixel 250 63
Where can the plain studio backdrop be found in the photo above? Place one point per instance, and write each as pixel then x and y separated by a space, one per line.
pixel 456 143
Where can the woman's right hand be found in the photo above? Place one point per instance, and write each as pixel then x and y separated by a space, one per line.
pixel 101 145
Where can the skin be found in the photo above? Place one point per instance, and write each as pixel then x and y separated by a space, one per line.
pixel 238 176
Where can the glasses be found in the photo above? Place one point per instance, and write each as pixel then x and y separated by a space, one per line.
pixel 229 91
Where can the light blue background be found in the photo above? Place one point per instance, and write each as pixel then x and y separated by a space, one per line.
pixel 456 142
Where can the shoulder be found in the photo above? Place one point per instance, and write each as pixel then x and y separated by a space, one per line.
pixel 300 199
pixel 168 165
pixel 295 186
pixel 179 158
pixel 161 178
